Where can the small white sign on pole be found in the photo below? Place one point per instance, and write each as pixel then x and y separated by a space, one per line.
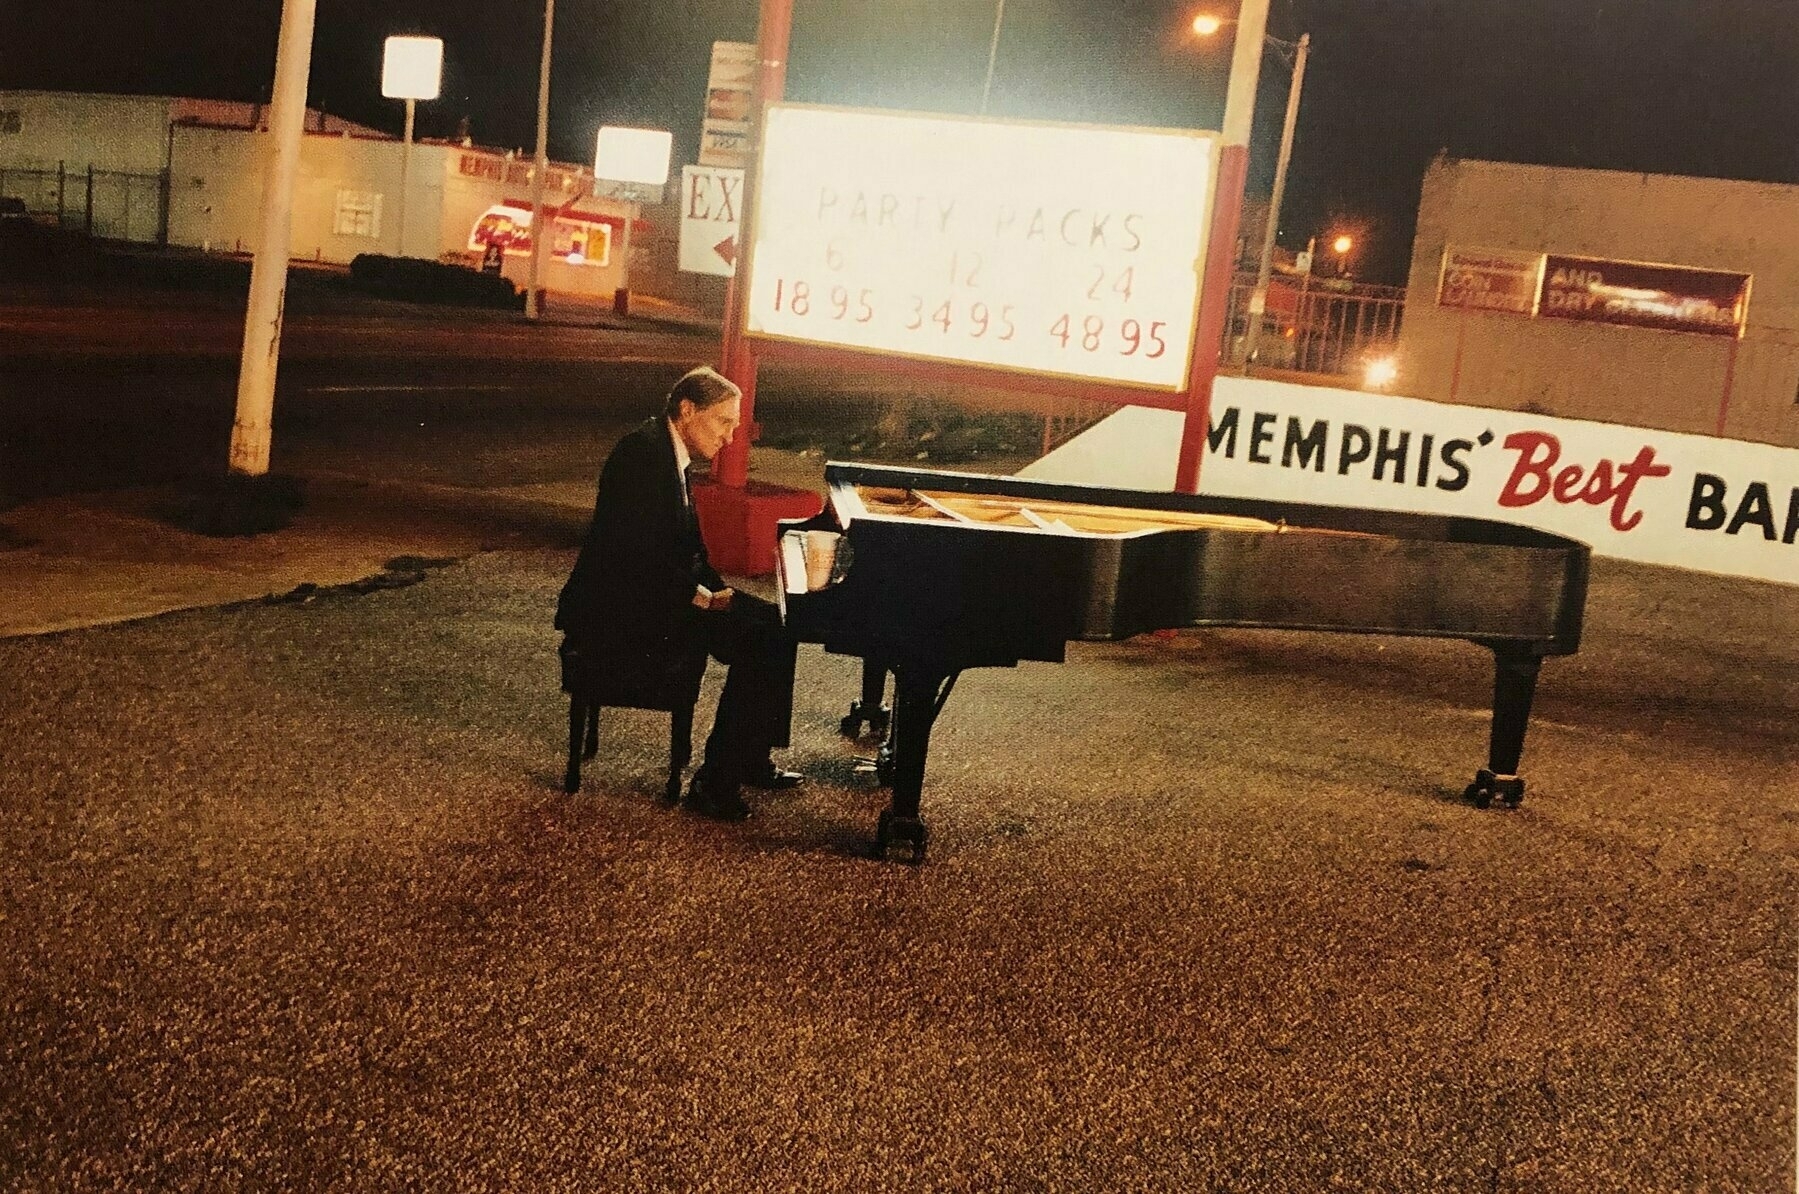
pixel 730 91
pixel 412 68
pixel 1063 250
pixel 711 211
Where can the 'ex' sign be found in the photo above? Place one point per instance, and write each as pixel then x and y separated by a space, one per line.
pixel 711 210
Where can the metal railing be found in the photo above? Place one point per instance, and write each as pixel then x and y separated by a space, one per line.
pixel 1319 326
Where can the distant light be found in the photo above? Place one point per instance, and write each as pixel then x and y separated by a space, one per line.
pixel 412 68
pixel 1343 244
pixel 1380 373
pixel 1205 24
pixel 632 155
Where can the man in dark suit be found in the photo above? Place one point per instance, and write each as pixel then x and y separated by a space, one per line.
pixel 643 595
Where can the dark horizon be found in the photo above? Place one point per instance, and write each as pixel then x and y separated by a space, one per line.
pixel 1658 86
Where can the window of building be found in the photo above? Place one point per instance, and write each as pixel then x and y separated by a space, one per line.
pixel 10 121
pixel 358 214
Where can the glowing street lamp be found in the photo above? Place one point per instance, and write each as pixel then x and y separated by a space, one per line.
pixel 411 70
pixel 1205 25
pixel 1341 247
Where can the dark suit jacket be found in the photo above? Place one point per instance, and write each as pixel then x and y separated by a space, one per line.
pixel 629 600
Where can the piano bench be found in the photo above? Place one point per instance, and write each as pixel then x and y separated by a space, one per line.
pixel 675 690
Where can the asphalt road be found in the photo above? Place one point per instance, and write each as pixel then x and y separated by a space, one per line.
pixel 115 395
pixel 292 900
pixel 118 389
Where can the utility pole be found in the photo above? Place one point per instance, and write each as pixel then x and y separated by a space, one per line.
pixel 541 231
pixel 250 432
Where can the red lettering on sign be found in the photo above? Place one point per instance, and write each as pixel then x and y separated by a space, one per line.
pixel 1607 482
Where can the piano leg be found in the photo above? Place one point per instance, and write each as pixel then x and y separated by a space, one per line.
pixel 917 698
pixel 868 710
pixel 1514 684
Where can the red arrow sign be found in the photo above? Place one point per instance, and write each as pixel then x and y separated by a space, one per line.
pixel 727 248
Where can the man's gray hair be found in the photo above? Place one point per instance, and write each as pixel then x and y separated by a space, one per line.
pixel 704 387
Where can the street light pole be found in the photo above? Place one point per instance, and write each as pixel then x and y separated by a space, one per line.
pixel 1258 299
pixel 540 232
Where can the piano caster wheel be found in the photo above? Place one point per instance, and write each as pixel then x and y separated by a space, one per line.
pixel 876 719
pixel 909 829
pixel 1508 788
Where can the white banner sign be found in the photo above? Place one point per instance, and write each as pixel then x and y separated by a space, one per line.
pixel 1070 250
pixel 711 199
pixel 1659 497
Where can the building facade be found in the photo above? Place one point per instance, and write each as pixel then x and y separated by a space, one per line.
pixel 1642 299
pixel 186 172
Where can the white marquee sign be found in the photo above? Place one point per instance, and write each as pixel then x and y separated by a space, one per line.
pixel 1066 250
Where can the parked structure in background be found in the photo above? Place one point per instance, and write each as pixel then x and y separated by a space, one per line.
pixel 103 164
pixel 1644 299
pixel 185 172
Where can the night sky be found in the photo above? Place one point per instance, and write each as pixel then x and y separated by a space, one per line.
pixel 1705 87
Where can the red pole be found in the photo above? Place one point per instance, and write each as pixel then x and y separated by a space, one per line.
pixel 1221 247
pixel 737 362
pixel 1214 299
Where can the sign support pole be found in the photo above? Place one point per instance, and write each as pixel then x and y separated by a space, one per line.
pixel 1221 244
pixel 737 517
pixel 737 362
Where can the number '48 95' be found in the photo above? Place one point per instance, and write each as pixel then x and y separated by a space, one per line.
pixel 1129 336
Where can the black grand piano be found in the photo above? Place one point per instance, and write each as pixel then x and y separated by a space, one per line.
pixel 925 573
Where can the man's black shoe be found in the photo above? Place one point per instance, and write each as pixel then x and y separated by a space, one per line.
pixel 771 778
pixel 710 800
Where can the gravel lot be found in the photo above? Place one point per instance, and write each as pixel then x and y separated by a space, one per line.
pixel 291 900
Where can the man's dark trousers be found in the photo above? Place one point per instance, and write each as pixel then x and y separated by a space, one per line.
pixel 754 712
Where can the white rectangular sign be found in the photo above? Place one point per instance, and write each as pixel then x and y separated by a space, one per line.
pixel 711 209
pixel 1067 250
pixel 1659 497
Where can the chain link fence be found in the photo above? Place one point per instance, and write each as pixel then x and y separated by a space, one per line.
pixel 109 204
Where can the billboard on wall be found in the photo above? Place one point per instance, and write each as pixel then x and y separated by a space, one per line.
pixel 1669 298
pixel 1658 497
pixel 1490 280
pixel 1065 250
